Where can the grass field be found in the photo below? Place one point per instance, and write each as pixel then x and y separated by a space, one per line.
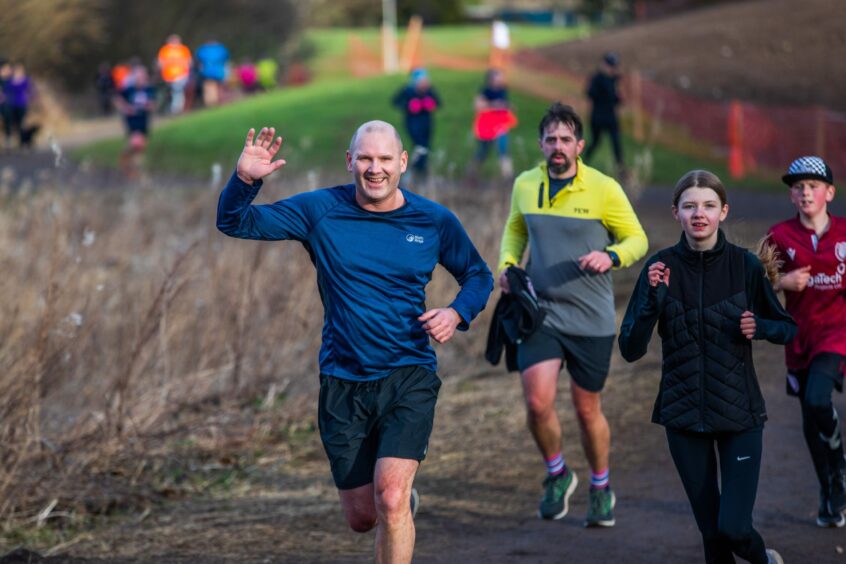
pixel 317 122
pixel 318 119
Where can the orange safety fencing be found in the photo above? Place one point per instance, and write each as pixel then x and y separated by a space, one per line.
pixel 750 138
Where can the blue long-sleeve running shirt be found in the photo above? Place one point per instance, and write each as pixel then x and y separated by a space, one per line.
pixel 372 270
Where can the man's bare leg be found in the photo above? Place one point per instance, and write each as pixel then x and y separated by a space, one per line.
pixel 594 430
pixel 392 497
pixel 540 383
pixel 359 508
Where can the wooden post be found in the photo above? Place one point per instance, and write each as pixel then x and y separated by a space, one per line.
pixel 637 105
pixel 640 11
pixel 389 36
pixel 411 46
pixel 736 163
pixel 820 132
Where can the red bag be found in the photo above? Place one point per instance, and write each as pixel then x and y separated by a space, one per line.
pixel 490 124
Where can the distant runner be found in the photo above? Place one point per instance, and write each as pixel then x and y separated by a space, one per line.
pixel 419 101
pixel 212 59
pixel 174 61
pixel 604 96
pixel 135 102
pixel 494 119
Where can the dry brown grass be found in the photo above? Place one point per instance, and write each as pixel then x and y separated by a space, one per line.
pixel 133 334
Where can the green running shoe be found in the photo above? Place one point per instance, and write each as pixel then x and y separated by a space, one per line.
pixel 556 494
pixel 601 509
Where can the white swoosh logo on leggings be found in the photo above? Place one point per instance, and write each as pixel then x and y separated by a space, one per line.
pixel 742 458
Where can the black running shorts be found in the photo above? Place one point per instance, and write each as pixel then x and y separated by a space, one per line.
pixel 363 421
pixel 588 359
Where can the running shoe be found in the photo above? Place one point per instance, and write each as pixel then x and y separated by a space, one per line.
pixel 825 517
pixel 601 509
pixel 556 494
pixel 415 502
pixel 773 557
pixel 837 489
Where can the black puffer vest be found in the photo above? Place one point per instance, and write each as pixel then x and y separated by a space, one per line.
pixel 708 381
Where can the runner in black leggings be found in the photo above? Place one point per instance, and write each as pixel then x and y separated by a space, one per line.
pixel 723 513
pixel 811 248
pixel 710 299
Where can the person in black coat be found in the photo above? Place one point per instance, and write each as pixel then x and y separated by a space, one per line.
pixel 602 91
pixel 710 299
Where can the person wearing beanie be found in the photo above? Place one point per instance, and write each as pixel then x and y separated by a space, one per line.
pixel 418 101
pixel 604 97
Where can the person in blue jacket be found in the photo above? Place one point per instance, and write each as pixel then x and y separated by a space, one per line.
pixel 374 246
pixel 212 58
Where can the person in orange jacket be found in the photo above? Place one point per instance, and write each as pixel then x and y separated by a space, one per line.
pixel 174 61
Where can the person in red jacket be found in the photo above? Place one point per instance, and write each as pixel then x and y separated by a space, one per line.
pixel 812 246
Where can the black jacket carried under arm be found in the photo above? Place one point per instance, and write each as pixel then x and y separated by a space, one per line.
pixel 517 315
pixel 708 381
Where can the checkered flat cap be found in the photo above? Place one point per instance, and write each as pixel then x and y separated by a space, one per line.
pixel 806 168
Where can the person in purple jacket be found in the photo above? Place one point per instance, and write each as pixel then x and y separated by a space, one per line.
pixel 17 92
pixel 5 75
pixel 374 246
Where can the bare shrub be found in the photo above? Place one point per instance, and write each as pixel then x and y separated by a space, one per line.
pixel 129 321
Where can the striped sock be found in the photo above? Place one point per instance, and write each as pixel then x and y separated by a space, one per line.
pixel 555 465
pixel 599 480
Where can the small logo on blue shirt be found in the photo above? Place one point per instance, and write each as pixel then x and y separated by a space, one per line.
pixel 414 238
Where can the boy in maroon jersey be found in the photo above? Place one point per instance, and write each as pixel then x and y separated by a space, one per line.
pixel 813 248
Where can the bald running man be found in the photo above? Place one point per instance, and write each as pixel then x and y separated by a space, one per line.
pixel 374 246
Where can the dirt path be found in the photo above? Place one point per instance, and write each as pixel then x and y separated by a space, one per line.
pixel 482 481
pixel 50 161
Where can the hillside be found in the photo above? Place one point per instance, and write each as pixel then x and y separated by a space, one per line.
pixel 770 51
pixel 316 119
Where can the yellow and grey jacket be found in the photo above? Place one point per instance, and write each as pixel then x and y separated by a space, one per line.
pixel 591 214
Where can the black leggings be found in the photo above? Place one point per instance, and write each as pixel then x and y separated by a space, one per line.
pixel 13 119
pixel 596 130
pixel 819 419
pixel 723 514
